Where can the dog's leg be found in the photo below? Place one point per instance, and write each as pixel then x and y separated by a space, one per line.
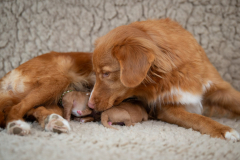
pixel 56 123
pixel 40 114
pixel 225 97
pixel 176 114
pixel 50 118
pixel 40 95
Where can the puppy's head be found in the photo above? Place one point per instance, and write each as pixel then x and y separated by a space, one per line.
pixel 77 102
pixel 121 61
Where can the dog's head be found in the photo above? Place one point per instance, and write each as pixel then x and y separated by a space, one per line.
pixel 121 61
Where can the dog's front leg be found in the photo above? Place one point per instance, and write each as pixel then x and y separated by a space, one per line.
pixel 176 114
pixel 50 118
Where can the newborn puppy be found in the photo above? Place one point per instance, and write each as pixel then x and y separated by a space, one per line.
pixel 129 113
pixel 76 103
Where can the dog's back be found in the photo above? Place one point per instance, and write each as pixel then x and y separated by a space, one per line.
pixel 72 67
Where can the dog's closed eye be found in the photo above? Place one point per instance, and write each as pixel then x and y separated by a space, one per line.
pixel 106 74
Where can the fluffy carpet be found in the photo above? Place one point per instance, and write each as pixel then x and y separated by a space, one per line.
pixel 32 27
pixel 147 140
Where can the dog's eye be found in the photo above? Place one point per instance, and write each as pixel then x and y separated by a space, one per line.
pixel 106 74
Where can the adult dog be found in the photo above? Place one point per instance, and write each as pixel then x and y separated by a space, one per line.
pixel 161 62
pixel 35 87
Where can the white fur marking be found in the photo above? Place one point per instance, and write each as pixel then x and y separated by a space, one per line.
pixel 206 86
pixel 66 124
pixel 91 92
pixel 192 101
pixel 186 97
pixel 14 81
pixel 51 123
pixel 233 135
pixel 21 124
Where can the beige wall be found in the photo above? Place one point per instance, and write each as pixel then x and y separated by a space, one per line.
pixel 32 27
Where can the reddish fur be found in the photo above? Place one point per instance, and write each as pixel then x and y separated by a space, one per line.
pixel 41 113
pixel 127 112
pixel 76 100
pixel 147 59
pixel 44 79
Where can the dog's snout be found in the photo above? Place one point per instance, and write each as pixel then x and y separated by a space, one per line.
pixel 91 105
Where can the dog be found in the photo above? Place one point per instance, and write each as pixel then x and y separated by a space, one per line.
pixel 161 62
pixel 35 87
pixel 127 112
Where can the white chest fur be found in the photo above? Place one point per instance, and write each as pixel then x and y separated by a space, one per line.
pixel 191 101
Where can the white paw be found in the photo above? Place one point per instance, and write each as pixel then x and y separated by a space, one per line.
pixel 18 127
pixel 233 135
pixel 55 123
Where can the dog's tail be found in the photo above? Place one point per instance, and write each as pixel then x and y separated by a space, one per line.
pixel 6 103
pixel 104 120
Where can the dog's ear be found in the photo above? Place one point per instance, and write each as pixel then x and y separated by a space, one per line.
pixel 135 58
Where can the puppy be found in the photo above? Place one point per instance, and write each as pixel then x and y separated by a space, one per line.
pixel 128 113
pixel 35 87
pixel 76 103
pixel 162 63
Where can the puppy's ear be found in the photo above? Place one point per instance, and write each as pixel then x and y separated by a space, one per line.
pixel 135 57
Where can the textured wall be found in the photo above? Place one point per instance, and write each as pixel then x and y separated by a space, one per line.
pixel 32 27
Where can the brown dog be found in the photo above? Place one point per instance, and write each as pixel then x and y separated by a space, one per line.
pixel 162 63
pixel 35 87
pixel 128 113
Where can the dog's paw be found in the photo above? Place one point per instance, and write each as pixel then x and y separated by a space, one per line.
pixel 18 127
pixel 226 133
pixel 55 123
pixel 233 135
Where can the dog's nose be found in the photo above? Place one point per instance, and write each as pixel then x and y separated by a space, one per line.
pixel 91 105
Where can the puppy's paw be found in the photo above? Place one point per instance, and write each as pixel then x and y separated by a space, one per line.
pixel 232 135
pixel 55 123
pixel 18 127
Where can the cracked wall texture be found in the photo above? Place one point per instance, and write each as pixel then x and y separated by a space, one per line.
pixel 32 27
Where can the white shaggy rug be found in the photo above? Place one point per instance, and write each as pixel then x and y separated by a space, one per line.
pixel 147 140
pixel 32 27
